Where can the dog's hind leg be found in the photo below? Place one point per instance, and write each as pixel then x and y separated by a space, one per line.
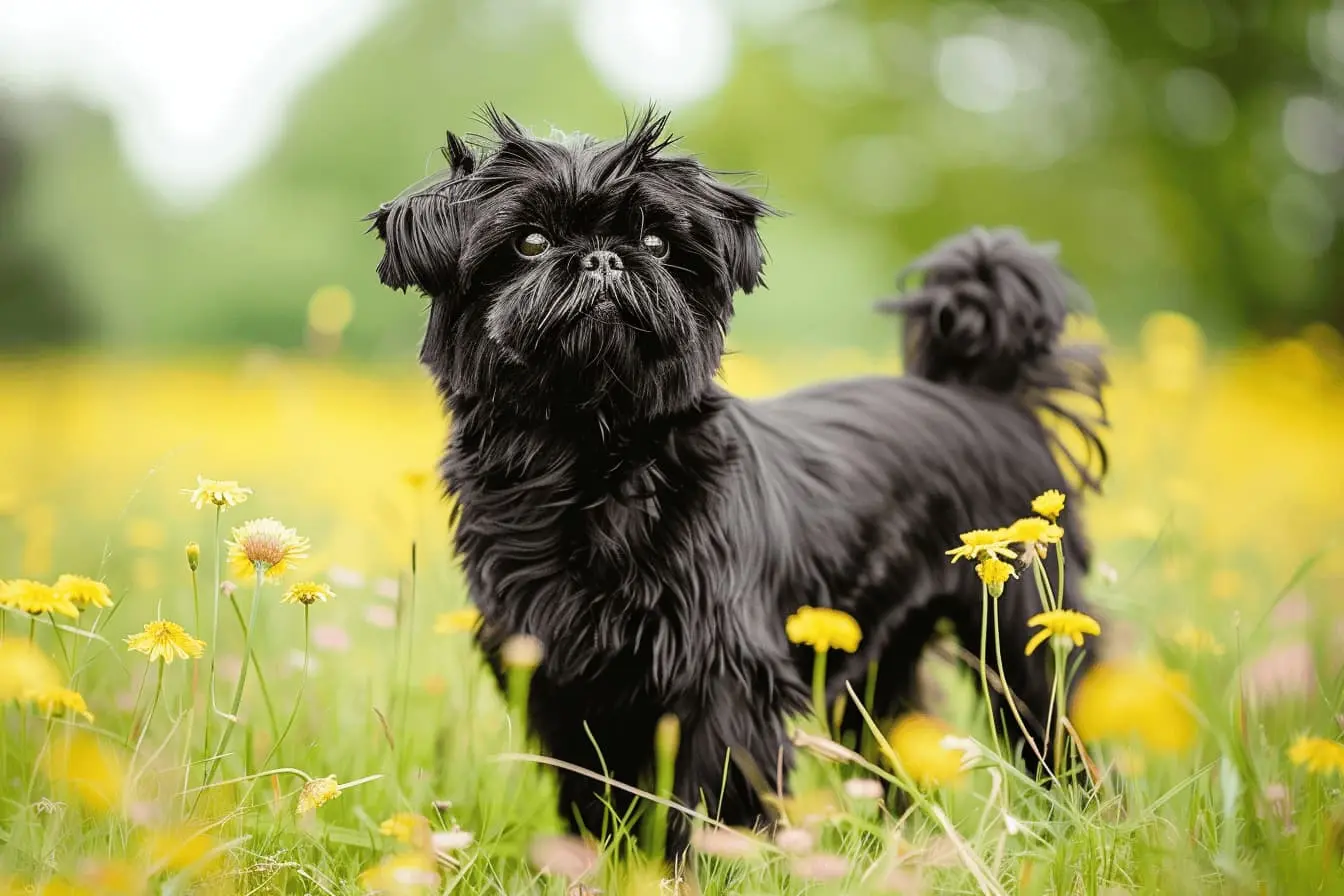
pixel 894 688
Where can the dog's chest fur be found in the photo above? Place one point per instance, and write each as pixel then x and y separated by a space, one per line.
pixel 598 543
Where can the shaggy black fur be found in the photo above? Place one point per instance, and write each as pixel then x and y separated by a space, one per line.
pixel 653 530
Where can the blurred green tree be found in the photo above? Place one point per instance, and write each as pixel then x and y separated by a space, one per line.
pixel 1185 153
pixel 38 305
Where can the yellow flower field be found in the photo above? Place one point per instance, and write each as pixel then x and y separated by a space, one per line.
pixel 265 683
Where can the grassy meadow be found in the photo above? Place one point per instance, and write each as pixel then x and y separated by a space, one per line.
pixel 1211 740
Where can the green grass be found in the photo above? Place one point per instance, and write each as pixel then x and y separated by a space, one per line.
pixel 414 718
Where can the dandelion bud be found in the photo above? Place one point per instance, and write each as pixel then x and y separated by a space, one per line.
pixel 521 652
pixel 193 555
pixel 865 789
pixel 667 738
pixel 316 792
pixel 797 841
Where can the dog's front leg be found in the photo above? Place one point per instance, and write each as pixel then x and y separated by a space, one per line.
pixel 606 739
pixel 735 751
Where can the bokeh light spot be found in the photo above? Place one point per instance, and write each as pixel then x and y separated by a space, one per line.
pixel 330 310
pixel 671 53
pixel 1199 106
pixel 977 73
pixel 1301 215
pixel 1313 134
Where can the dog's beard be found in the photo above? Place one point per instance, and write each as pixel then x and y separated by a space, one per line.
pixel 549 318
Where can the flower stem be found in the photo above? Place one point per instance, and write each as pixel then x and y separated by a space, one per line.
pixel 1059 555
pixel 196 603
pixel 819 689
pixel 1048 601
pixel 1061 657
pixel 984 663
pixel 520 686
pixel 153 705
pixel 256 667
pixel 667 742
pixel 231 721
pixel 298 700
pixel 23 706
pixel 869 698
pixel 1008 691
pixel 214 621
pixel 65 655
pixel 135 706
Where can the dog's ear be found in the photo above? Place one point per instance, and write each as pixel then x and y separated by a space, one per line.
pixel 737 213
pixel 422 229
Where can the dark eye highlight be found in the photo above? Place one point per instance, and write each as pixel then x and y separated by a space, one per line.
pixel 532 245
pixel 655 245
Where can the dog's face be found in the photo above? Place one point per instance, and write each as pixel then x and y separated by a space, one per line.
pixel 574 275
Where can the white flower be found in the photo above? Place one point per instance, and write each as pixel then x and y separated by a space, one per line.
pixel 864 789
pixel 971 752
pixel 451 841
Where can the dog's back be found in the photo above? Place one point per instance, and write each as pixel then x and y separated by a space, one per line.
pixel 877 476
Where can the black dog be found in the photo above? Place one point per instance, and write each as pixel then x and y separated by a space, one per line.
pixel 652 530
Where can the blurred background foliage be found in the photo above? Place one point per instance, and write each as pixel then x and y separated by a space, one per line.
pixel 1186 153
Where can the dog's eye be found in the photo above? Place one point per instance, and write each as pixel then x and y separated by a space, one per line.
pixel 533 245
pixel 655 245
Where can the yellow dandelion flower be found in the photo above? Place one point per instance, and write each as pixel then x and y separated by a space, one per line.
pixel 417 479
pixel 408 827
pixel 83 591
pixel 1134 700
pixel 89 768
pixel 223 493
pixel 824 628
pixel 113 877
pixel 317 792
pixel 58 886
pixel 1063 624
pixel 165 640
pixel 307 593
pixel 403 873
pixel 36 598
pixel 1225 584
pixel 994 573
pixel 25 669
pixel 916 742
pixel 1035 530
pixel 55 700
pixel 456 621
pixel 176 849
pixel 144 534
pixel 1049 504
pixel 980 543
pixel 1318 755
pixel 265 545
pixel 1197 640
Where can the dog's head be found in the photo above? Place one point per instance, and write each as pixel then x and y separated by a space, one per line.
pixel 573 274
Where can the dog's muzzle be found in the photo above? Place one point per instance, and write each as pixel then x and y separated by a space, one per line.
pixel 603 265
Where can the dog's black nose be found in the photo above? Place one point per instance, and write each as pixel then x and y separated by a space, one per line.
pixel 602 264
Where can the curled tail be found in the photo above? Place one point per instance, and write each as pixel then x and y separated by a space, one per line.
pixel 989 314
